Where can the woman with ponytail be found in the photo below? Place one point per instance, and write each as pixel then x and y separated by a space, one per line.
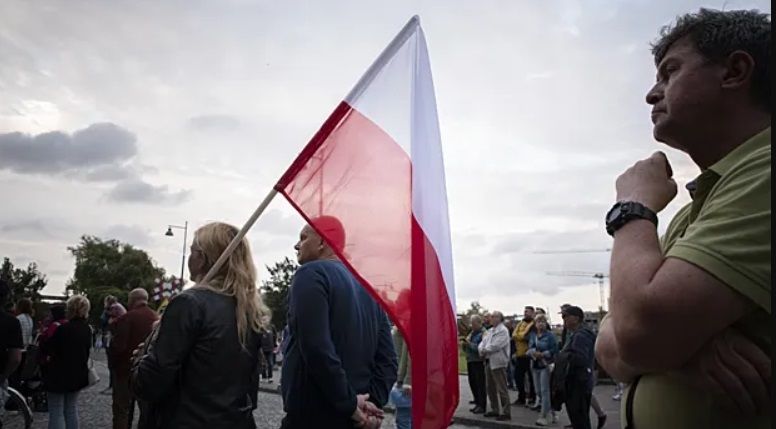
pixel 202 370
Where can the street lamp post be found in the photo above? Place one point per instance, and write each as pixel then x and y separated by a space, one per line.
pixel 185 229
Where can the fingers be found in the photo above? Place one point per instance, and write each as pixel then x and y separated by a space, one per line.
pixel 659 156
pixel 752 366
pixel 753 354
pixel 732 385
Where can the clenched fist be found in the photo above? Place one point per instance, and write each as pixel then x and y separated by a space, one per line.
pixel 648 182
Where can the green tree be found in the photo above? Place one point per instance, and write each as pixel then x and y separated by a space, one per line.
pixel 275 290
pixel 110 267
pixel 464 319
pixel 25 282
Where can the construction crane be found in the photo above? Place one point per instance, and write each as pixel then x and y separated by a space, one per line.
pixel 599 276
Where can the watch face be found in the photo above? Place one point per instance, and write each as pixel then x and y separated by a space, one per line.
pixel 613 214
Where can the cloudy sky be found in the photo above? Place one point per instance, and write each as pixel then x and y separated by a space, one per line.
pixel 118 118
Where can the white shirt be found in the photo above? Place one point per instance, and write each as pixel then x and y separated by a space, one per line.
pixel 27 328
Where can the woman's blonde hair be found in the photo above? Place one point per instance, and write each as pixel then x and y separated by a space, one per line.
pixel 237 277
pixel 77 306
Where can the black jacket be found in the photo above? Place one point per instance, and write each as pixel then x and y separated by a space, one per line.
pixel 197 375
pixel 339 345
pixel 268 340
pixel 67 366
pixel 573 366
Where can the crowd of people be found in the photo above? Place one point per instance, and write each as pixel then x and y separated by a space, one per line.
pixel 689 325
pixel 546 370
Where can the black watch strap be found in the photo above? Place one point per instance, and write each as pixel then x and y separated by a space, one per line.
pixel 626 211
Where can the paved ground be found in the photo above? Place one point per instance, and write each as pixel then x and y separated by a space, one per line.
pixel 95 408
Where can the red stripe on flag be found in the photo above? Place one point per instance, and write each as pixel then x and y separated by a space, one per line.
pixel 354 171
pixel 433 344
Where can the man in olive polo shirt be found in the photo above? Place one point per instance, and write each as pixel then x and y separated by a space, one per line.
pixel 690 324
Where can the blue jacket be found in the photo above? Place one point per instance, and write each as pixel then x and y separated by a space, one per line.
pixel 339 345
pixel 546 344
pixel 472 347
pixel 580 350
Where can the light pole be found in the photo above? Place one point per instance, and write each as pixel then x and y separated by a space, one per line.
pixel 185 229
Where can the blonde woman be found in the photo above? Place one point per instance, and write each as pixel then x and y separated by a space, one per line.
pixel 67 369
pixel 203 368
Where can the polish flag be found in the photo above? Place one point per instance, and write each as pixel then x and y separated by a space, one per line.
pixel 376 166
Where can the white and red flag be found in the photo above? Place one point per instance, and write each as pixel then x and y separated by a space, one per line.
pixel 376 165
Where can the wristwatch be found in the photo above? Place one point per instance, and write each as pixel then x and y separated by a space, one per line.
pixel 624 212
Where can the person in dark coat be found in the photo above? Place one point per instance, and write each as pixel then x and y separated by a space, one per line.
pixel 579 354
pixel 129 330
pixel 340 363
pixel 268 345
pixel 66 371
pixel 202 370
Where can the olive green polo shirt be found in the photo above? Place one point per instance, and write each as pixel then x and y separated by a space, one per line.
pixel 726 231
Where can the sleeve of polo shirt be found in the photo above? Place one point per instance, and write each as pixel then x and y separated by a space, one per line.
pixel 731 237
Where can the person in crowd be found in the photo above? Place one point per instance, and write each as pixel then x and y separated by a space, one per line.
pixel 542 348
pixel 24 314
pixel 494 348
pixel 112 310
pixel 486 321
pixel 129 330
pixel 619 389
pixel 66 371
pixel 11 344
pixel 268 346
pixel 475 364
pixel 579 354
pixel 401 394
pixel 202 370
pixel 525 394
pixel 510 324
pixel 710 273
pixel 56 319
pixel 340 363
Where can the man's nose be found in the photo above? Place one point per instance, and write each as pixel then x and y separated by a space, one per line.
pixel 654 95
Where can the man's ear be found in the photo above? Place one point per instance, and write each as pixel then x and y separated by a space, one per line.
pixel 739 68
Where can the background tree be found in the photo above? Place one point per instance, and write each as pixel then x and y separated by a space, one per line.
pixel 464 324
pixel 25 282
pixel 110 267
pixel 275 290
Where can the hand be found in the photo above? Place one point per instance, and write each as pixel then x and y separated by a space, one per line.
pixel 367 414
pixel 735 369
pixel 648 182
pixel 407 389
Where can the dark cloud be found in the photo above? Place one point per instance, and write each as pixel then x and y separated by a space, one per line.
pixel 138 191
pixel 214 123
pixel 30 226
pixel 96 146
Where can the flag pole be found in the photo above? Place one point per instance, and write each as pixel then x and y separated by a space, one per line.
pixel 381 60
pixel 240 235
